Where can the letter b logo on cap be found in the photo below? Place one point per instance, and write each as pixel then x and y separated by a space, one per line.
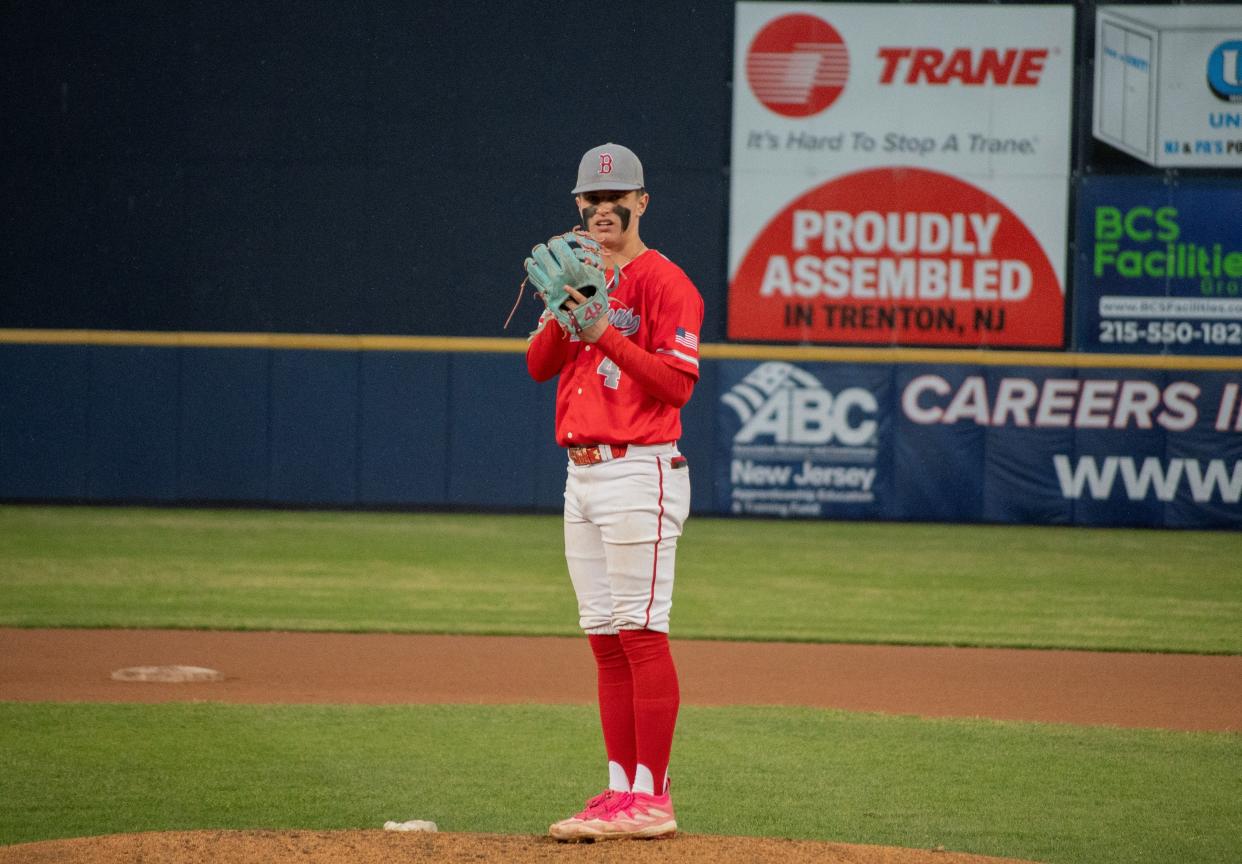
pixel 609 166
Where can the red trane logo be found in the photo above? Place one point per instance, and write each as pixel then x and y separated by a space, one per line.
pixel 1017 67
pixel 797 65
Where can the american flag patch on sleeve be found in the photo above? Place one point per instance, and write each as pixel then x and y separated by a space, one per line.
pixel 687 339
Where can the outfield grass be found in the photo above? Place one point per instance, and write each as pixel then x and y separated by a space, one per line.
pixel 1047 793
pixel 737 579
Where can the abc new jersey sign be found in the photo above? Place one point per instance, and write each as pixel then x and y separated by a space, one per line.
pixel 900 174
pixel 969 443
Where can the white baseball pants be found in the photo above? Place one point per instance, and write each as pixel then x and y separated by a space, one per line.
pixel 622 521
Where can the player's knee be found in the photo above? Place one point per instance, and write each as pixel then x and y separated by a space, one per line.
pixel 597 625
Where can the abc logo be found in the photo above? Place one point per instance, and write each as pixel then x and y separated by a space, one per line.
pixel 787 405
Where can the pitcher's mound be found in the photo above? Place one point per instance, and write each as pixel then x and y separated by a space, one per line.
pixel 384 847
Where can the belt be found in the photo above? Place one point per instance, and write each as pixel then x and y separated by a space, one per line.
pixel 596 453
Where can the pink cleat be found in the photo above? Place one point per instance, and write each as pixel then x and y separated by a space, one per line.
pixel 632 814
pixel 571 828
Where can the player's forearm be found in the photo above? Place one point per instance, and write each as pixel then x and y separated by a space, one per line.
pixel 670 385
pixel 546 353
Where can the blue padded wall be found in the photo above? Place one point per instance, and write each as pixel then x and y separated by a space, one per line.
pixel 43 420
pixel 500 428
pixel 404 428
pixel 314 411
pixel 132 446
pixel 441 429
pixel 225 420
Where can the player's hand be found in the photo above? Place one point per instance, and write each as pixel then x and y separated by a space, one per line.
pixel 596 330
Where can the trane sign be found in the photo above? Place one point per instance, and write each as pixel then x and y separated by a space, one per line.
pixel 1011 67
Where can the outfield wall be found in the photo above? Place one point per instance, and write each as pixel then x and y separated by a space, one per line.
pixel 330 170
pixel 822 433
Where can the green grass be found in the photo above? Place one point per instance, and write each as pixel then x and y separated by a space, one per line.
pixel 737 579
pixel 1057 794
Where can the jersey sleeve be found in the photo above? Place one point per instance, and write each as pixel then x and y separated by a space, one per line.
pixel 547 351
pixel 666 382
pixel 676 335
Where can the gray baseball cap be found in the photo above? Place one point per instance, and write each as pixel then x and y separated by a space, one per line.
pixel 609 166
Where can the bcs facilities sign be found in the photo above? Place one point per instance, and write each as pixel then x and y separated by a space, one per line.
pixel 1159 266
pixel 900 174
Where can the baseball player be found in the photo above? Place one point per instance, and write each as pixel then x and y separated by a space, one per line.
pixel 623 378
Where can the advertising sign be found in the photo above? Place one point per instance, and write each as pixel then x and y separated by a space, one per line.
pixel 970 443
pixel 900 174
pixel 1159 266
pixel 802 440
pixel 1083 446
pixel 1168 83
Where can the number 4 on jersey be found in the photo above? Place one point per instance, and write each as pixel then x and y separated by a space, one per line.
pixel 611 372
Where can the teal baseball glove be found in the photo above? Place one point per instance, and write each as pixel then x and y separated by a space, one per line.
pixel 573 258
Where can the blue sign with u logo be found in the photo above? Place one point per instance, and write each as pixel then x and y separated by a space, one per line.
pixel 1224 70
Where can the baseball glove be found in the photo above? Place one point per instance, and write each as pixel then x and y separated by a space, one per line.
pixel 574 259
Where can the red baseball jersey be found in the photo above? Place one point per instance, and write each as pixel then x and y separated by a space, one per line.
pixel 653 303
